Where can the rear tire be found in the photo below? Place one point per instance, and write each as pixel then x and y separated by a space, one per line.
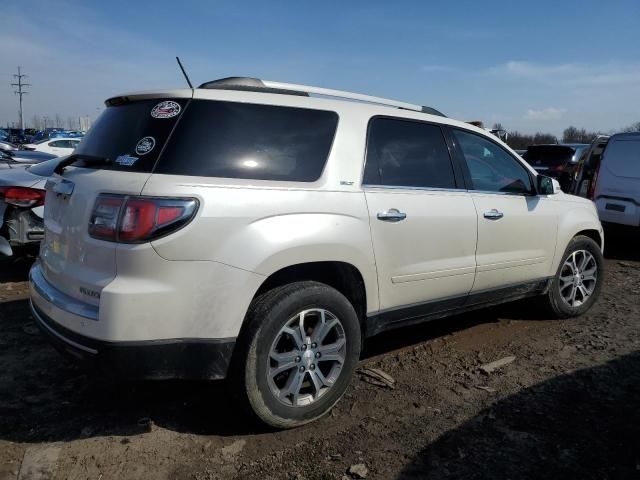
pixel 578 281
pixel 297 353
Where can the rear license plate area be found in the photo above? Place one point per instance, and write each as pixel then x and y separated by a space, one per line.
pixel 615 207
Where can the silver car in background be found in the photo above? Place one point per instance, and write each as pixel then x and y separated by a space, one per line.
pixel 22 206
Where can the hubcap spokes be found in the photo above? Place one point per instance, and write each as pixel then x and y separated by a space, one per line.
pixel 578 278
pixel 306 357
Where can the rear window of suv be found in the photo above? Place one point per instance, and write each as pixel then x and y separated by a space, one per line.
pixel 548 155
pixel 251 141
pixel 132 134
pixel 213 139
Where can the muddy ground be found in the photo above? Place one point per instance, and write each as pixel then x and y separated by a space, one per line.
pixel 568 406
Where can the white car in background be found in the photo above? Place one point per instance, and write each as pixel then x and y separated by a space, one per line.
pixel 616 183
pixel 55 146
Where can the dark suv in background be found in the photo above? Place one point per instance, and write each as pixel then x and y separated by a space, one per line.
pixel 557 161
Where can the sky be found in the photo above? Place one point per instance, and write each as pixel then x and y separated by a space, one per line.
pixel 532 66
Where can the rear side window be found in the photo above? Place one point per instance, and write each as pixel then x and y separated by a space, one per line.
pixel 240 140
pixel 404 153
pixel 132 134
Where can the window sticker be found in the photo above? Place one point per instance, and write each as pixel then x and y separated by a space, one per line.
pixel 126 160
pixel 145 145
pixel 166 109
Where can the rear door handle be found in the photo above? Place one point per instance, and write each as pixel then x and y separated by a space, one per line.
pixel 493 214
pixel 392 215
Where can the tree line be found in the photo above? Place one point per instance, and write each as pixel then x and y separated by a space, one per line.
pixel 520 141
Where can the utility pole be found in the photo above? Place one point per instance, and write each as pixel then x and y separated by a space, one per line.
pixel 20 92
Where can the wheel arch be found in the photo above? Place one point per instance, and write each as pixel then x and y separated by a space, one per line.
pixel 343 276
pixel 594 235
pixel 577 221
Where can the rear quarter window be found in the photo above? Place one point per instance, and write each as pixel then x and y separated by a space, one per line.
pixel 250 141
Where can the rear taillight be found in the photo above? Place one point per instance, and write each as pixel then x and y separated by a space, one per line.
pixel 131 219
pixel 591 191
pixel 23 196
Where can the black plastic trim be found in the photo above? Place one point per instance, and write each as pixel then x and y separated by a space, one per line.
pixel 397 317
pixel 184 358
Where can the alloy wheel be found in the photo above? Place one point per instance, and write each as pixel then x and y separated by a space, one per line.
pixel 578 278
pixel 306 357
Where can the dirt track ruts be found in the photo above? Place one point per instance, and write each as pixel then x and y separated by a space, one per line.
pixel 568 406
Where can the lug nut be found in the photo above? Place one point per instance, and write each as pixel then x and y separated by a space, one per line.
pixel 314 345
pixel 301 369
pixel 313 366
pixel 304 347
pixel 318 354
pixel 298 359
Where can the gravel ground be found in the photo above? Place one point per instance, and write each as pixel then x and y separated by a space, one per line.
pixel 566 406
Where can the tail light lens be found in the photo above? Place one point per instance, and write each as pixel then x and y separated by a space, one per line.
pixel 23 196
pixel 129 219
pixel 591 191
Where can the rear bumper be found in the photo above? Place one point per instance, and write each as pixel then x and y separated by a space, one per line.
pixel 182 358
pixel 618 210
pixel 157 360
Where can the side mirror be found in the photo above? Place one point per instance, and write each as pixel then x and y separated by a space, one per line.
pixel 548 185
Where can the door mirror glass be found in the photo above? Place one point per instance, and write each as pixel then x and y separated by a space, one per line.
pixel 546 185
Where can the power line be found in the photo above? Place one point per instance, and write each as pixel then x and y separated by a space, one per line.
pixel 20 92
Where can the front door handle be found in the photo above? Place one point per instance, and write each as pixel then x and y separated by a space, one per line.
pixel 392 215
pixel 493 214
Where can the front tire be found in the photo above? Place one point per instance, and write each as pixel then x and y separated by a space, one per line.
pixel 578 281
pixel 297 353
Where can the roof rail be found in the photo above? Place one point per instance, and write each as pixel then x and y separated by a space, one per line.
pixel 268 86
pixel 327 92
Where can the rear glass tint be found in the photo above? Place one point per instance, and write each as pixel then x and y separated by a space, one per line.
pixel 130 136
pixel 251 141
pixel 548 155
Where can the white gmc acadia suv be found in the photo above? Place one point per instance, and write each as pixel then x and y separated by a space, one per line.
pixel 261 231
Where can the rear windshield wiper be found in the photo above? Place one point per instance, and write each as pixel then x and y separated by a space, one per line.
pixel 10 161
pixel 89 160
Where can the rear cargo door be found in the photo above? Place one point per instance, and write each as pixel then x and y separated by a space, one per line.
pixel 75 263
pixel 617 193
pixel 620 170
pixel 127 140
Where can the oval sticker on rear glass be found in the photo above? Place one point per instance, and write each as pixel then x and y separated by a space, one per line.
pixel 166 109
pixel 145 145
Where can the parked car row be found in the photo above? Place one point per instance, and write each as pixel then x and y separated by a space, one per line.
pixel 19 137
pixel 610 176
pixel 556 161
pixel 606 171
